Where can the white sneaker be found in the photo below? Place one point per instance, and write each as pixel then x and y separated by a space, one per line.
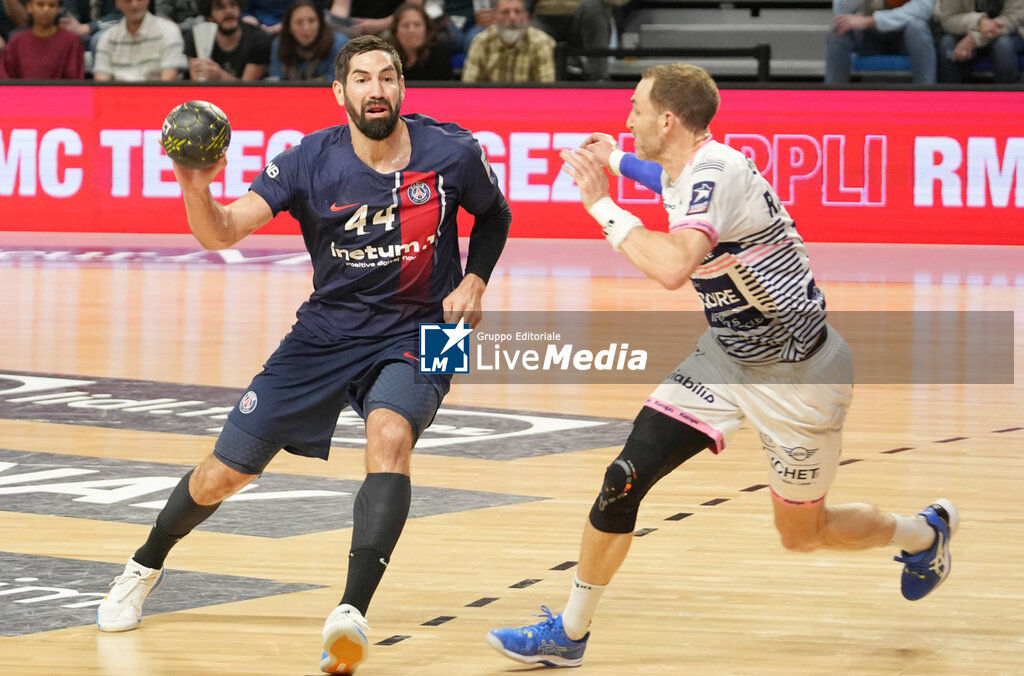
pixel 121 608
pixel 344 640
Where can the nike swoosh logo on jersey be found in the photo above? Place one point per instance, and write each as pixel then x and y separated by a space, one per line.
pixel 335 207
pixel 410 356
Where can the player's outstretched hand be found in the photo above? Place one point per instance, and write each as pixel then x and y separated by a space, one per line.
pixel 465 302
pixel 601 147
pixel 198 179
pixel 588 174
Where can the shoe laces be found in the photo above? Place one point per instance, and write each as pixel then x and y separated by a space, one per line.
pixel 357 618
pixel 931 560
pixel 911 564
pixel 128 583
pixel 546 625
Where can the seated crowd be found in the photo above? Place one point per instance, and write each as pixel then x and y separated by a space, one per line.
pixel 945 39
pixel 493 41
pixel 296 40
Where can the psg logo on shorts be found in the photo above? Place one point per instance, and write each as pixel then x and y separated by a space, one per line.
pixel 418 192
pixel 248 402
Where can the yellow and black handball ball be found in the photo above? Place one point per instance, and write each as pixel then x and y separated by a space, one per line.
pixel 196 134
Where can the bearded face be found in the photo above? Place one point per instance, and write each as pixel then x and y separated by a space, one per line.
pixel 376 119
pixel 372 93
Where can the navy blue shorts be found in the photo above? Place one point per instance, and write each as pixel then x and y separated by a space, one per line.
pixel 295 401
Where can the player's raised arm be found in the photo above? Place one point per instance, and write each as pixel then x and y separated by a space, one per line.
pixel 668 259
pixel 215 225
pixel 195 135
pixel 606 152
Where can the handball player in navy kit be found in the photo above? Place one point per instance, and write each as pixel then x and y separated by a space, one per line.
pixel 377 201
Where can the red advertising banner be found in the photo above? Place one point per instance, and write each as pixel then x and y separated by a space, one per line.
pixel 850 166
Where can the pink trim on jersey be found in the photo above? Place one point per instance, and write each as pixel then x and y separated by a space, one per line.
pixel 708 140
pixel 756 253
pixel 747 258
pixel 720 263
pixel 684 417
pixel 789 502
pixel 697 224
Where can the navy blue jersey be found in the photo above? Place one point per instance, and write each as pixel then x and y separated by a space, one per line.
pixel 384 247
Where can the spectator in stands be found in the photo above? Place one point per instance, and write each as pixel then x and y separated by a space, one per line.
pixel 306 47
pixel 448 35
pixel 13 14
pixel 581 24
pixel 511 50
pixel 341 23
pixel 45 51
pixel 87 18
pixel 241 51
pixel 265 14
pixel 141 46
pixel 424 56
pixel 362 17
pixel 973 29
pixel 468 18
pixel 185 13
pixel 867 28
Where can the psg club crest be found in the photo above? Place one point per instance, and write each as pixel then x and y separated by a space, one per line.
pixel 248 402
pixel 418 192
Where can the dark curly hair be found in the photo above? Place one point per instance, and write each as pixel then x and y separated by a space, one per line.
pixel 206 6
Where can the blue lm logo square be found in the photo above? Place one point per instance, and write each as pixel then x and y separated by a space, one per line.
pixel 444 348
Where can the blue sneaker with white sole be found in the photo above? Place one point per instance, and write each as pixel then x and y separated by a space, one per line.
pixel 542 643
pixel 924 571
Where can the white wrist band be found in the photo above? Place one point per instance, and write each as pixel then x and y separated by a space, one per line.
pixel 614 160
pixel 615 221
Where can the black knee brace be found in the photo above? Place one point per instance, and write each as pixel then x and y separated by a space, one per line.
pixel 656 446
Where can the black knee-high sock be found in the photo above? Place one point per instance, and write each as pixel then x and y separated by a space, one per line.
pixel 381 508
pixel 176 520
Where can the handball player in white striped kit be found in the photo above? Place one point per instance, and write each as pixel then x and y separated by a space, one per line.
pixel 768 357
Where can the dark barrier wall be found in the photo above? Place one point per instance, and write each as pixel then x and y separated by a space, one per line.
pixel 851 166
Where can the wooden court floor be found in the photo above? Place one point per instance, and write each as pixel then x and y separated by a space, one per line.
pixel 713 593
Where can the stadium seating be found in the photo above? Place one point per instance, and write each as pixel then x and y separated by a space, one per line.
pixel 795 30
pixel 897 66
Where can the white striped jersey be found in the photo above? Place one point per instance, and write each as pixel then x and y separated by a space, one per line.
pixel 756 284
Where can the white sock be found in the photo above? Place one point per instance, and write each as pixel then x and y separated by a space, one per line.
pixel 912 534
pixel 579 610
